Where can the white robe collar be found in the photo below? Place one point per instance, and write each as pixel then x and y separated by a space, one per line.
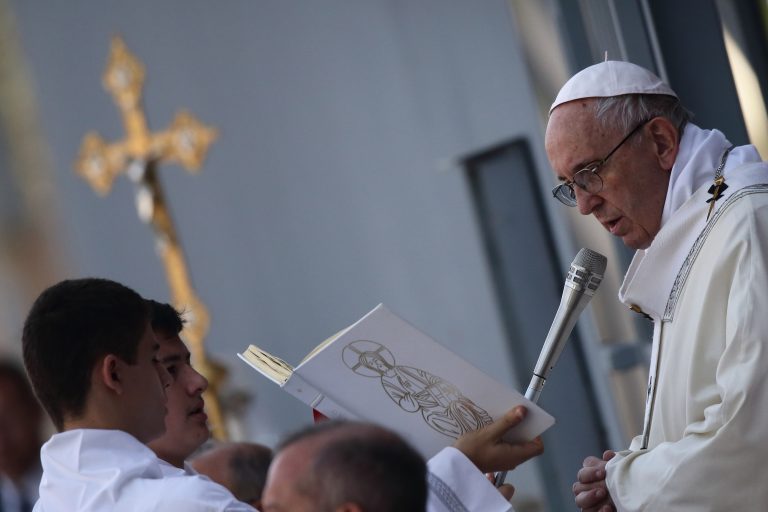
pixel 652 273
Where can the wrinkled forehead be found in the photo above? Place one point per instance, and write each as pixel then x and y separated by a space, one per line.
pixel 574 137
pixel 573 117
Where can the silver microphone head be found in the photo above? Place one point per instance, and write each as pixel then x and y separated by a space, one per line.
pixel 586 271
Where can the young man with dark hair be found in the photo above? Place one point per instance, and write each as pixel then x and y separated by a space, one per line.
pixel 341 466
pixel 186 427
pixel 91 355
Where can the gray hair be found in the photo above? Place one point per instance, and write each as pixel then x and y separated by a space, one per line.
pixel 363 464
pixel 628 110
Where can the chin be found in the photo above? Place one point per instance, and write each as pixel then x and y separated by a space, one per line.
pixel 640 245
pixel 636 243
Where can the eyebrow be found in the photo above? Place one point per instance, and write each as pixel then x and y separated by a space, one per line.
pixel 176 357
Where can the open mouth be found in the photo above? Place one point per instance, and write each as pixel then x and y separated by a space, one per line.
pixel 200 409
pixel 612 225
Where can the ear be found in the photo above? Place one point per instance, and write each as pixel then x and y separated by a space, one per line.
pixel 110 373
pixel 666 139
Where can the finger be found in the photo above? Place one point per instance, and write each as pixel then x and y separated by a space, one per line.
pixel 591 474
pixel 534 448
pixel 507 491
pixel 592 461
pixel 520 451
pixel 506 456
pixel 509 420
pixel 590 499
pixel 608 455
pixel 579 487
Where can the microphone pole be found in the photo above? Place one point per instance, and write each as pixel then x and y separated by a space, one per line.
pixel 584 276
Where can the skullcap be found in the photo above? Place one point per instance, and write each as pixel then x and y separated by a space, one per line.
pixel 611 78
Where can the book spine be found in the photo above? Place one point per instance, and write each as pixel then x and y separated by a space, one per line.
pixel 301 389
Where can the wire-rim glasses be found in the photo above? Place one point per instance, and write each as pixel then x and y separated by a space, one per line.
pixel 588 178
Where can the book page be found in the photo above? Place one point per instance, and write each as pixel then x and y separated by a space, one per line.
pixel 384 370
pixel 272 367
pixel 324 344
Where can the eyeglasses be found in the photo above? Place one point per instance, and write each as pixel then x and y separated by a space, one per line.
pixel 587 178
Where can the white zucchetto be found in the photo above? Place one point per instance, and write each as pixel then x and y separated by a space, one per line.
pixel 611 78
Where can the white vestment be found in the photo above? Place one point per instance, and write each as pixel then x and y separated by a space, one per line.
pixel 110 470
pixel 704 283
pixel 456 485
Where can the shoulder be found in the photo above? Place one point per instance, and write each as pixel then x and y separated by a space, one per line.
pixel 195 492
pixel 745 213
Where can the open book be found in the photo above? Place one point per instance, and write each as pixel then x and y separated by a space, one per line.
pixel 383 370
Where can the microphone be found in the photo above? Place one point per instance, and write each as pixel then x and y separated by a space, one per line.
pixel 584 276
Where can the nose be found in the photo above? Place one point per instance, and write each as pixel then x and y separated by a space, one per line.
pixel 199 382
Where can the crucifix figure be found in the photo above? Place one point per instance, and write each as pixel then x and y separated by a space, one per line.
pixel 138 155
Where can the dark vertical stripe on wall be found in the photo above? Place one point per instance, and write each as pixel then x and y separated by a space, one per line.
pixel 692 46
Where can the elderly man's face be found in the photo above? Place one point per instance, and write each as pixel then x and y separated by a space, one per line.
pixel 634 183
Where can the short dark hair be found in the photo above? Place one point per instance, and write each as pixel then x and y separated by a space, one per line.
pixel 164 317
pixel 69 327
pixel 363 464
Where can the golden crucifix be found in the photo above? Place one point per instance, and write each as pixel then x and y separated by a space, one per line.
pixel 186 142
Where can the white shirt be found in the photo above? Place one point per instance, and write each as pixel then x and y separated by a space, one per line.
pixel 456 485
pixel 704 285
pixel 110 470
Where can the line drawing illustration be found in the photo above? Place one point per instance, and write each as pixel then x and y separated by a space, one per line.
pixel 442 405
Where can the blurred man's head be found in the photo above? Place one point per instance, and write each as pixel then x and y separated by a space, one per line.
pixel 186 427
pixel 21 422
pixel 346 467
pixel 240 467
pixel 91 357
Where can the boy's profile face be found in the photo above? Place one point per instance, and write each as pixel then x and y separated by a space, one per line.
pixel 186 425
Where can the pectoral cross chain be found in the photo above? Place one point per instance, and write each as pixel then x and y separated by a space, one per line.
pixel 718 185
pixel 716 190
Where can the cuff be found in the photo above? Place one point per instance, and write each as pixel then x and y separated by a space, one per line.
pixel 455 484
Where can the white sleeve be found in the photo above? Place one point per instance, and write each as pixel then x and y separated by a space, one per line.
pixel 456 485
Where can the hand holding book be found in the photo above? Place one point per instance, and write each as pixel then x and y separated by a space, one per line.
pixel 489 452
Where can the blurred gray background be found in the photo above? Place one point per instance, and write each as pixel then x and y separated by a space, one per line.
pixel 369 151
